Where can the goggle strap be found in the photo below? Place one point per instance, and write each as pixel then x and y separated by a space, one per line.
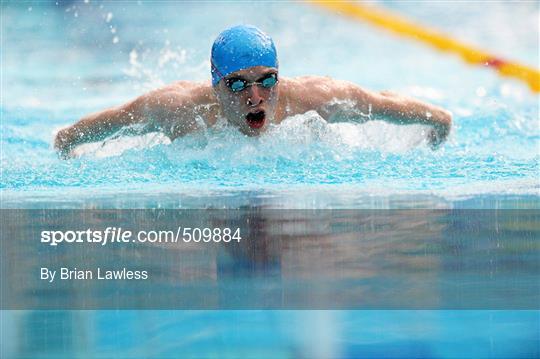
pixel 216 70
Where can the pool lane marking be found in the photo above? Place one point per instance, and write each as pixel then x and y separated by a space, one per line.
pixel 402 26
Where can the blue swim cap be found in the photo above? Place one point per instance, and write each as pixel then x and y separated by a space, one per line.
pixel 241 47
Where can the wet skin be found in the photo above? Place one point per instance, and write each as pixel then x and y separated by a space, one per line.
pixel 175 109
pixel 254 107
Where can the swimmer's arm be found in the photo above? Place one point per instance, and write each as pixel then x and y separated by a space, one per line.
pixel 151 111
pixel 403 110
pixel 355 104
pixel 96 126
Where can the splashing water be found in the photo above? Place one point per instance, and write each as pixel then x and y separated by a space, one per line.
pixel 493 147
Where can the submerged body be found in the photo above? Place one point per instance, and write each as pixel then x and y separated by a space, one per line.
pixel 247 91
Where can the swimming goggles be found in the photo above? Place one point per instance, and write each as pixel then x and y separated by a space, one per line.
pixel 237 84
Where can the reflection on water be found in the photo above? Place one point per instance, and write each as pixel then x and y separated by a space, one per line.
pixel 340 259
pixel 286 259
pixel 270 334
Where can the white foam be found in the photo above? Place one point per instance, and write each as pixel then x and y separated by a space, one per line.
pixel 117 146
pixel 290 139
pixel 372 135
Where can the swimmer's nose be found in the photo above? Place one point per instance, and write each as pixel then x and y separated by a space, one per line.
pixel 254 96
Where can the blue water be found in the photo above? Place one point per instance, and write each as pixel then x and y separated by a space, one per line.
pixel 113 52
pixel 279 334
pixel 62 62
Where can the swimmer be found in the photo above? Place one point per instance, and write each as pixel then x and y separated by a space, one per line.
pixel 247 90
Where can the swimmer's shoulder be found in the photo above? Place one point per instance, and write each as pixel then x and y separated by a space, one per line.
pixel 299 85
pixel 185 93
pixel 185 99
pixel 305 79
pixel 314 81
pixel 299 94
pixel 302 88
pixel 315 89
pixel 306 93
pixel 191 88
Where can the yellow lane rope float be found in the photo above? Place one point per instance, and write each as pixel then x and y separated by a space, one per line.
pixel 400 25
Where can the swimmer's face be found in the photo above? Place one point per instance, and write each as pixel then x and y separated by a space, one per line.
pixel 248 98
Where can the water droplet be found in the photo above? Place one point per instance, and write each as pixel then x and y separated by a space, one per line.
pixel 133 57
pixel 480 91
pixel 109 17
pixel 115 40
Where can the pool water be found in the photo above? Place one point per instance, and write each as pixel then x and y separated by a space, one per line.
pixel 278 334
pixel 112 52
pixel 60 62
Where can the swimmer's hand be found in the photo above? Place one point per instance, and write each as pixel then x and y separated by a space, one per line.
pixel 63 144
pixel 440 129
pixel 437 135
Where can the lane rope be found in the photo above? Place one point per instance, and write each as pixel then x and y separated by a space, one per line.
pixel 404 27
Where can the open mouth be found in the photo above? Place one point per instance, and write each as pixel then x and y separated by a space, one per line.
pixel 256 119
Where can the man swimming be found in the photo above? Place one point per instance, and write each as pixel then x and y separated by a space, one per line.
pixel 248 92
